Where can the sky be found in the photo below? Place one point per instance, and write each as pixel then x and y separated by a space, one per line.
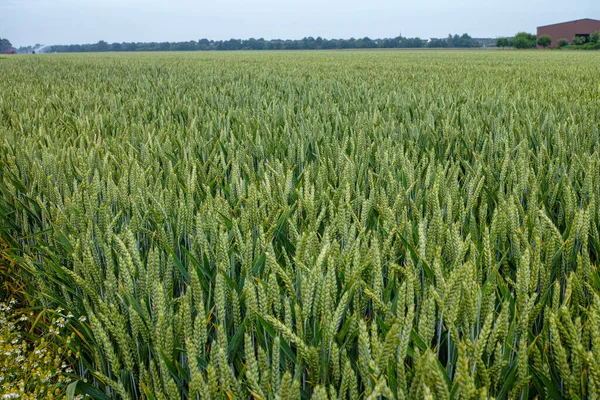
pixel 27 22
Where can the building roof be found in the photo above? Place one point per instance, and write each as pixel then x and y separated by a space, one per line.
pixel 570 22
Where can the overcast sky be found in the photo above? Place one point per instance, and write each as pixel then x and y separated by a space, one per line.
pixel 26 22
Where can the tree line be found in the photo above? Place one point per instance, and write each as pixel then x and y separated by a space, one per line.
pixel 524 40
pixel 521 40
pixel 307 43
pixel 5 45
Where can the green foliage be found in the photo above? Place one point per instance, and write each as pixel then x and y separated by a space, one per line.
pixel 563 43
pixel 5 45
pixel 579 40
pixel 591 42
pixel 544 41
pixel 524 40
pixel 337 225
pixel 34 367
pixel 307 43
pixel 588 46
pixel 454 41
pixel 502 42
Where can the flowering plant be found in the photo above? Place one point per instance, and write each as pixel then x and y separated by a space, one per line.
pixel 34 367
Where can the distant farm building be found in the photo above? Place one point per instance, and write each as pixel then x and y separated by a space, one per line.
pixel 10 52
pixel 569 30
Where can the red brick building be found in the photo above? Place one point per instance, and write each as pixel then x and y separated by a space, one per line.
pixel 569 30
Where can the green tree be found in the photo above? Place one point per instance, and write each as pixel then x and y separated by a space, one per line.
pixel 437 43
pixel 204 44
pixel 502 42
pixel 102 46
pixel 5 45
pixel 544 41
pixel 309 43
pixel 369 43
pixel 563 43
pixel 524 40
pixel 595 37
pixel 452 40
pixel 579 40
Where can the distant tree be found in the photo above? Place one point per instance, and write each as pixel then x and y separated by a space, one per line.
pixel 579 40
pixel 129 47
pixel 231 44
pixel 308 43
pixel 5 45
pixel 452 40
pixel 502 42
pixel 163 46
pixel 544 41
pixel 204 44
pixel 465 41
pixel 595 37
pixel 368 43
pixel 329 44
pixel 437 43
pixel 409 43
pixel 563 43
pixel 254 44
pixel 348 43
pixel 414 43
pixel 190 45
pixel 524 40
pixel 25 49
pixel 102 46
pixel 261 44
pixel 388 43
pixel 291 45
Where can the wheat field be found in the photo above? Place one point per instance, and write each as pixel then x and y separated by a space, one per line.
pixel 327 225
